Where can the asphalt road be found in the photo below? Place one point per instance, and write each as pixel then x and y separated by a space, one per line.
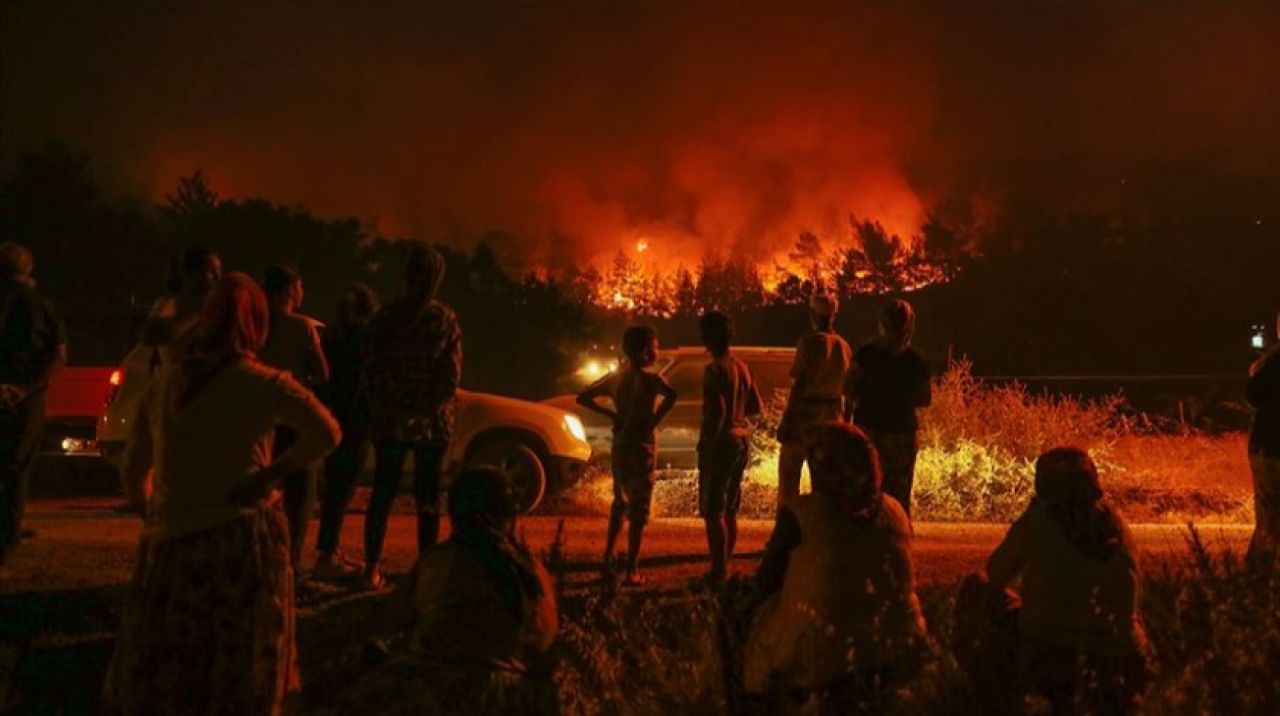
pixel 80 543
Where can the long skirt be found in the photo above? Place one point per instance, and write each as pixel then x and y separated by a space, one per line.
pixel 208 624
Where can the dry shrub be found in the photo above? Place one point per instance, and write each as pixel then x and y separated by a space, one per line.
pixel 978 444
pixel 1214 627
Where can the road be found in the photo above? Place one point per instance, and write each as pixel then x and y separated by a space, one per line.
pixel 80 543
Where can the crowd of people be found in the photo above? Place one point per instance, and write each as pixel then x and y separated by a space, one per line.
pixel 248 404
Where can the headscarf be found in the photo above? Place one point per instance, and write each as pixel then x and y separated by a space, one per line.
pixel 1067 487
pixel 233 325
pixel 483 517
pixel 899 322
pixel 844 466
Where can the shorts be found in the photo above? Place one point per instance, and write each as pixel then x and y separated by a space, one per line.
pixel 633 477
pixel 720 469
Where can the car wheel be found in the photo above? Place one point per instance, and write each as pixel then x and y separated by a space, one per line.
pixel 520 465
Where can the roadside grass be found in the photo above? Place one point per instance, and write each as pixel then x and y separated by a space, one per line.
pixel 978 445
pixel 1214 627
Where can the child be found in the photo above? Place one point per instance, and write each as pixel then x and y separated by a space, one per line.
pixel 634 389
pixel 729 397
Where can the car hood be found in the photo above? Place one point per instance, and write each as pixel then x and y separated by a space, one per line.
pixel 468 400
pixel 569 404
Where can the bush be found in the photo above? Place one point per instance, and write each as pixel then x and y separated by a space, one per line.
pixel 978 445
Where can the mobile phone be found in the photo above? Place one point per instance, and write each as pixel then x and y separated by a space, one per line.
pixel 1258 337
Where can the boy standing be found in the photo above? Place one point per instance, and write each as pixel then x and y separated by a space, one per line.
pixel 634 390
pixel 729 397
pixel 818 375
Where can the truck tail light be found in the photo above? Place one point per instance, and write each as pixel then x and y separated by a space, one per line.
pixel 114 384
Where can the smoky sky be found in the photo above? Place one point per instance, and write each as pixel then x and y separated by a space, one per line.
pixel 580 128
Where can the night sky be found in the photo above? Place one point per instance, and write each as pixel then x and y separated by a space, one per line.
pixel 578 128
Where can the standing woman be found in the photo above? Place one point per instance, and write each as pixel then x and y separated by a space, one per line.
pixel 887 382
pixel 208 624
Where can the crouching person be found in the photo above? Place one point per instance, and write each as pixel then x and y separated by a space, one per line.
pixel 1079 639
pixel 479 613
pixel 843 625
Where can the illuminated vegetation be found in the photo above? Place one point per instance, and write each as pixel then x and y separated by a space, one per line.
pixel 978 447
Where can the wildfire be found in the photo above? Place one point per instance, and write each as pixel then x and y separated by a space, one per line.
pixel 643 281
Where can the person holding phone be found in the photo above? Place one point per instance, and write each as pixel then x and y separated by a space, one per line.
pixel 1263 393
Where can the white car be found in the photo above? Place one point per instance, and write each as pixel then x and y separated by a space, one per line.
pixel 682 368
pixel 540 448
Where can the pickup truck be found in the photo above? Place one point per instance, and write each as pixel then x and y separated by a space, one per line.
pixel 539 448
pixel 682 368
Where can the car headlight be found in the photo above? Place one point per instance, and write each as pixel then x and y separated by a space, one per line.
pixel 574 425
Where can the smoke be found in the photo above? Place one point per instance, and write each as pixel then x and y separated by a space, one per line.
pixel 577 130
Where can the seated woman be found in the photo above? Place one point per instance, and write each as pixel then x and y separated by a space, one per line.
pixel 478 610
pixel 1080 641
pixel 843 622
pixel 208 622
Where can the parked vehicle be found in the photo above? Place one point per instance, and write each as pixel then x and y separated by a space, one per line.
pixel 68 458
pixel 541 449
pixel 682 368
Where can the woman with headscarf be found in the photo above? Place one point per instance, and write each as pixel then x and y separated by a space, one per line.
pixel 478 611
pixel 887 383
pixel 1082 642
pixel 842 623
pixel 413 365
pixel 208 624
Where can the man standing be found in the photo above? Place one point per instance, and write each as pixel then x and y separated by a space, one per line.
pixel 33 346
pixel 1263 393
pixel 413 365
pixel 293 345
pixel 818 375
pixel 174 317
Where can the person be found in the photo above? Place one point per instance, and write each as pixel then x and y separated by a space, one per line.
pixel 479 613
pixel 174 317
pixel 1080 638
pixel 344 347
pixel 293 345
pixel 729 397
pixel 842 624
pixel 413 364
pixel 33 346
pixel 634 391
pixel 888 382
pixel 1263 393
pixel 169 327
pixel 208 621
pixel 817 376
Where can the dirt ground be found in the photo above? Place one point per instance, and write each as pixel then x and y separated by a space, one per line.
pixel 81 544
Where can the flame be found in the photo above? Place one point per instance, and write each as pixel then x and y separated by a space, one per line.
pixel 647 281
